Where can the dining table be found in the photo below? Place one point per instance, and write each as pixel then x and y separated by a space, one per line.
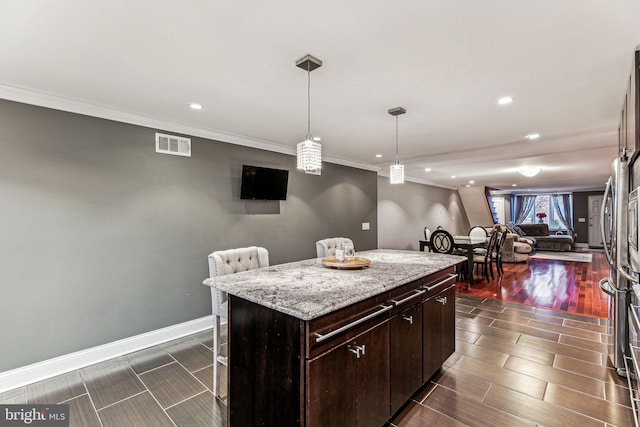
pixel 465 242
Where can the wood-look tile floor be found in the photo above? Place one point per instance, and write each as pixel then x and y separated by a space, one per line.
pixel 166 385
pixel 515 364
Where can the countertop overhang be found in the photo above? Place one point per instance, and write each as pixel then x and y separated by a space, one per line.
pixel 307 290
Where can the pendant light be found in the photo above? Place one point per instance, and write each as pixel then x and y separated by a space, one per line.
pixel 396 171
pixel 309 151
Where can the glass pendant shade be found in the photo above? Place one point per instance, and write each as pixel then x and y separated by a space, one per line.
pixel 309 156
pixel 396 174
pixel 309 152
pixel 396 171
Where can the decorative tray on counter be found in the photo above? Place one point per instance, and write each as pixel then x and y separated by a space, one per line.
pixel 356 263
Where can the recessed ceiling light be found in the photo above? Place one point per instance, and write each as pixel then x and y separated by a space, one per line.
pixel 532 136
pixel 378 155
pixel 317 138
pixel 468 186
pixel 505 100
pixel 453 176
pixel 472 182
pixel 195 106
pixel 514 185
pixel 427 169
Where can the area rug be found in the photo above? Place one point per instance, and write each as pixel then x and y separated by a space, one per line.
pixel 562 256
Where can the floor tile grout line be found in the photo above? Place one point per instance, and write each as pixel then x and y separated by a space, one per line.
pixel 588 395
pixel 93 404
pixel 548 352
pixel 163 409
pixel 541 329
pixel 155 368
pixel 126 398
pixel 188 398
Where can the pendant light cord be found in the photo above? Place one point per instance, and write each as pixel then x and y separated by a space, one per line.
pixel 397 158
pixel 308 101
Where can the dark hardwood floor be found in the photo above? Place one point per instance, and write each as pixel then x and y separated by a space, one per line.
pixel 567 286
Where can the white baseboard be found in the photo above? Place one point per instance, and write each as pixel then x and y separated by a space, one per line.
pixel 70 362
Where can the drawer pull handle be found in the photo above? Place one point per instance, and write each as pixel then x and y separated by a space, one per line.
pixel 355 351
pixel 408 319
pixel 429 288
pixel 410 297
pixel 320 338
pixel 442 300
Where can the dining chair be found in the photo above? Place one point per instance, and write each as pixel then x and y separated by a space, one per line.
pixel 485 261
pixel 498 252
pixel 479 232
pixel 327 247
pixel 427 233
pixel 427 236
pixel 441 242
pixel 222 263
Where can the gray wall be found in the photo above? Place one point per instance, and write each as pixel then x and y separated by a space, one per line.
pixel 581 209
pixel 404 210
pixel 103 239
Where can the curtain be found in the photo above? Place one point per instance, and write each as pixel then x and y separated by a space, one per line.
pixel 562 204
pixel 523 207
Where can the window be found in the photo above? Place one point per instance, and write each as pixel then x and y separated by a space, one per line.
pixel 550 209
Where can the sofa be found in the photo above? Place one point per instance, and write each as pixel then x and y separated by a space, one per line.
pixel 513 250
pixel 539 235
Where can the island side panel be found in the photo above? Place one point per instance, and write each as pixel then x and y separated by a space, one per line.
pixel 265 366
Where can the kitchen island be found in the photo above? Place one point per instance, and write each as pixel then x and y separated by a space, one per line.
pixel 315 346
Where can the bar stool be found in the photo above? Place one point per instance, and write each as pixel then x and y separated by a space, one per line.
pixel 222 263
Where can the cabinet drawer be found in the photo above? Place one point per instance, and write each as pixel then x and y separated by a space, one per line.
pixel 437 282
pixel 405 296
pixel 335 328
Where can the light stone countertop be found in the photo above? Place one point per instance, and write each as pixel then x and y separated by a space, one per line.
pixel 307 290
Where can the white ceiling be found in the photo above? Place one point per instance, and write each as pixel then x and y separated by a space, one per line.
pixel 566 63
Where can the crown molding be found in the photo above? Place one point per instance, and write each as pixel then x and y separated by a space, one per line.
pixel 384 173
pixel 41 99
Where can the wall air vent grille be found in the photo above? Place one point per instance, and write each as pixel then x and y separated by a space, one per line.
pixel 170 144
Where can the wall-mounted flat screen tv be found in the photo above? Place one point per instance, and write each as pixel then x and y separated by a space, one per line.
pixel 260 183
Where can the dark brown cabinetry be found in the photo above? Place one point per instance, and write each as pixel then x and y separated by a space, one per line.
pixel 350 385
pixel 353 367
pixel 438 323
pixel 405 352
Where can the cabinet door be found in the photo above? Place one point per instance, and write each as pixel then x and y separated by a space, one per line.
pixel 431 337
pixel 331 389
pixel 448 323
pixel 438 326
pixel 372 377
pixel 405 355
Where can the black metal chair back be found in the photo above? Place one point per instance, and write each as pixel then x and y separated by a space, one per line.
pixel 441 242
pixel 498 252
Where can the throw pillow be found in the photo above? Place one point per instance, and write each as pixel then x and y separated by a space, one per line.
pixel 518 230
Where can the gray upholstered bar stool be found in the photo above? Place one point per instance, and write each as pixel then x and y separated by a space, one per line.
pixel 222 263
pixel 327 247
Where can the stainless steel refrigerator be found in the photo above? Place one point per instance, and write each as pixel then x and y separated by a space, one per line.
pixel 613 224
